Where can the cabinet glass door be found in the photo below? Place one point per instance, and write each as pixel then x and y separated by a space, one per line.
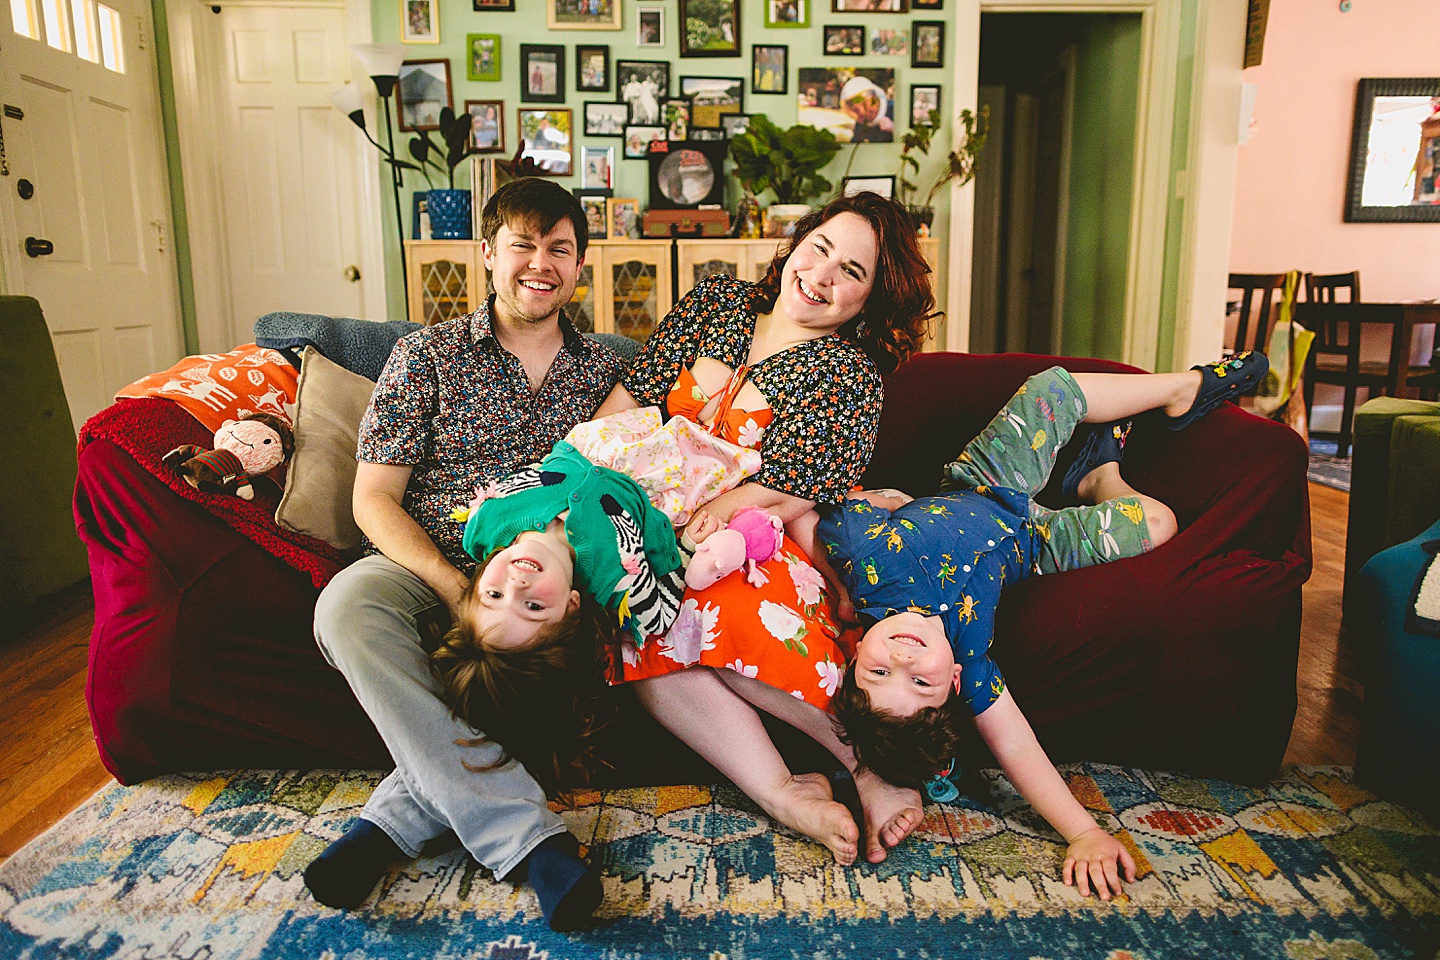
pixel 582 304
pixel 444 291
pixel 635 297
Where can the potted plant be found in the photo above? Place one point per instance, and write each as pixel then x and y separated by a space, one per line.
pixel 785 162
pixel 449 209
pixel 959 165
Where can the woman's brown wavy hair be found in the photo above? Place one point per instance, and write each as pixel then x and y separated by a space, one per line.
pixel 901 307
pixel 544 705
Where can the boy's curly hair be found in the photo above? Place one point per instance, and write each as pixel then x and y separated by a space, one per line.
pixel 905 751
pixel 544 705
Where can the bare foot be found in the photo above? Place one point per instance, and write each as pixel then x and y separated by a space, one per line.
pixel 806 804
pixel 1185 397
pixel 891 813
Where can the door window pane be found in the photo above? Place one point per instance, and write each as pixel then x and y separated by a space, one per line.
pixel 112 39
pixel 25 19
pixel 55 22
pixel 87 42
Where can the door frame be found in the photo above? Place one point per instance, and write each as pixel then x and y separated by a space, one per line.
pixel 1208 194
pixel 193 31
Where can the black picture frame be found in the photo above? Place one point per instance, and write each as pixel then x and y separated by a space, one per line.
pixel 585 81
pixel 920 53
pixel 641 101
pixel 706 107
pixel 638 137
pixel 493 6
pixel 675 118
pixel 542 73
pixel 1367 91
pixel 679 182
pixel 607 119
pixel 924 88
pixel 765 82
pixel 869 6
pixel 734 123
pixel 700 37
pixel 927 4
pixel 588 197
pixel 882 185
pixel 844 40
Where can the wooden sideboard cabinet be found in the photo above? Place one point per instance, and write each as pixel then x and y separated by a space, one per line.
pixel 625 286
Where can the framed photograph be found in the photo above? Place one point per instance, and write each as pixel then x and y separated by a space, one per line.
pixel 542 73
pixel 928 49
pixel 643 84
pixel 595 203
pixel 423 90
pixel 712 97
pixel 857 104
pixel 497 5
pixel 870 6
pixel 592 67
pixel 597 168
pixel 881 186
pixel 924 98
pixel 582 14
pixel 1394 174
pixel 705 133
pixel 638 138
pixel 650 27
pixel 709 28
pixel 688 174
pixel 482 56
pixel 487 125
pixel 769 68
pixel 419 21
pixel 605 119
pixel 787 13
pixel 623 216
pixel 890 43
pixel 844 41
pixel 733 123
pixel 927 4
pixel 545 136
pixel 675 114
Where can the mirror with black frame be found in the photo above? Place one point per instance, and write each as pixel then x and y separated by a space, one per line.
pixel 1395 151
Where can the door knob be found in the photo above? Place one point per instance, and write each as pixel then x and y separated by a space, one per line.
pixel 36 247
pixel 352 273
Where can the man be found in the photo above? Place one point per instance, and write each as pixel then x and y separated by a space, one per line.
pixel 459 404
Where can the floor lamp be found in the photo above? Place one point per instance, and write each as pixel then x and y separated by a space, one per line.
pixel 382 63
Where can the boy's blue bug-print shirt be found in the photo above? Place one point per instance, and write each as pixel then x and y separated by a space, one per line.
pixel 947 556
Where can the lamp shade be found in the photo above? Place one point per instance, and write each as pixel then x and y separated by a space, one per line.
pixel 348 101
pixel 379 59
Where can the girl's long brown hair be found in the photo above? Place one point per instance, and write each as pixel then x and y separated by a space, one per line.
pixel 897 315
pixel 544 705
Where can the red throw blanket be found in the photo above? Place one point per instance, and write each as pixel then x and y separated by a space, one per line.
pixel 147 429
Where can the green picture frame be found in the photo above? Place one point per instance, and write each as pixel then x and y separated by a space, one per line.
pixel 787 13
pixel 482 56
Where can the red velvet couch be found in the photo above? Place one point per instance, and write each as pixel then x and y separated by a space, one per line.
pixel 1183 659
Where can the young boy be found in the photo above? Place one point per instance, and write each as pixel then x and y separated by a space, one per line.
pixel 927 575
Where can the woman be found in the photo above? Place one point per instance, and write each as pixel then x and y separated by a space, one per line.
pixel 849 299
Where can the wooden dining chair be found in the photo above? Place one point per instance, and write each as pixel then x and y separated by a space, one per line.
pixel 1260 292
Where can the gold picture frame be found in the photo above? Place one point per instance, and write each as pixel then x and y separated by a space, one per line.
pixel 576 15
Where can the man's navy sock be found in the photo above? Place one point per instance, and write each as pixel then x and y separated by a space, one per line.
pixel 347 870
pixel 569 888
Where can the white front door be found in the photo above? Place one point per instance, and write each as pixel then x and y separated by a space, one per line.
pixel 92 221
pixel 288 177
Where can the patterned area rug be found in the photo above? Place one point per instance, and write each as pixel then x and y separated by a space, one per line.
pixel 1311 867
pixel 1326 468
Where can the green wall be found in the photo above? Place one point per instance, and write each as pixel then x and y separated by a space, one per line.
pixel 1102 180
pixel 527 25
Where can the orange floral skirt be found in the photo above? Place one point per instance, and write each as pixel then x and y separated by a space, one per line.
pixel 784 633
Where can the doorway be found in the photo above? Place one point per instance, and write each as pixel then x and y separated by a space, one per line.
pixel 1055 183
pixel 87 223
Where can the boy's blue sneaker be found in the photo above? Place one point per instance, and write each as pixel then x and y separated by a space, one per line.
pixel 1223 380
pixel 1104 444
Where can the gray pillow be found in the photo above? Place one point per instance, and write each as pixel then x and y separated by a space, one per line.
pixel 329 404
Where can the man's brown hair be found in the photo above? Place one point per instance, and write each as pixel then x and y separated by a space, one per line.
pixel 905 751
pixel 531 203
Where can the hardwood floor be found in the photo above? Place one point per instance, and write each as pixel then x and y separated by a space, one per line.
pixel 48 763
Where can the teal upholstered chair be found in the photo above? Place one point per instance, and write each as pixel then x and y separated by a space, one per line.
pixel 40 553
pixel 1399 752
pixel 1394 480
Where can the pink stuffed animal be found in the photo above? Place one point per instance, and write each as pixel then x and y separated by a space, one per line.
pixel 750 538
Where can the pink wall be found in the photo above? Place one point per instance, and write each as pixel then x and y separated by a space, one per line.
pixel 1290 185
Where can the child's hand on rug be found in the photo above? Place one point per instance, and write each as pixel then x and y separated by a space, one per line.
pixel 1094 858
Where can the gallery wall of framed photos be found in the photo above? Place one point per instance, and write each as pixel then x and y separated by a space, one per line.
pixel 622 73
